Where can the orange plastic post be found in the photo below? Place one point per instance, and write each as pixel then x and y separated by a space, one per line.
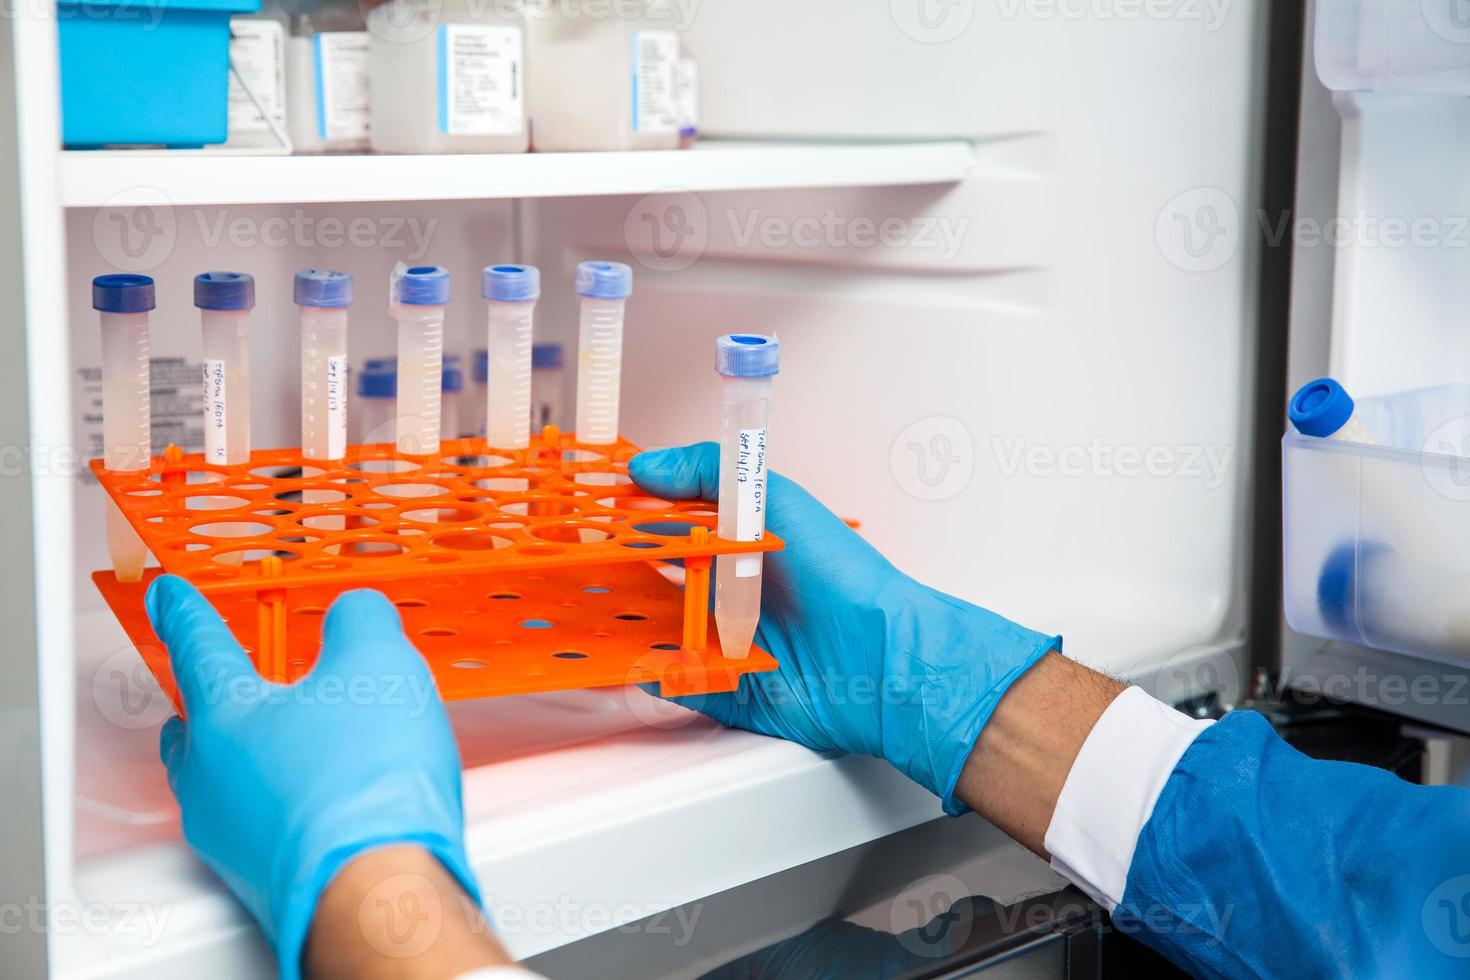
pixel 271 631
pixel 696 594
pixel 173 468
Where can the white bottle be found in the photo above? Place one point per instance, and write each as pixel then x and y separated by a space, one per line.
pixel 327 79
pixel 123 303
pixel 258 61
pixel 448 76
pixel 605 75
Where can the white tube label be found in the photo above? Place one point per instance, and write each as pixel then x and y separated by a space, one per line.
pixel 480 80
pixel 336 407
pixel 750 497
pixel 216 416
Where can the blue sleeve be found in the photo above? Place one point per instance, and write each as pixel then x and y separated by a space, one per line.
pixel 1258 861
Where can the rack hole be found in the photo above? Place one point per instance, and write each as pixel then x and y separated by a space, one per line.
pixel 538 507
pixel 410 603
pixel 595 588
pixel 231 529
pixel 438 515
pixel 570 655
pixel 480 462
pixel 505 595
pixel 663 646
pixel 634 503
pixel 536 624
pixel 411 490
pixel 212 502
pixel 287 472
pixel 439 631
pixel 311 611
pixel 370 548
pixel 631 617
pixel 585 533
pixel 317 495
pixel 383 465
pixel 472 541
pixel 469 664
pixel 642 544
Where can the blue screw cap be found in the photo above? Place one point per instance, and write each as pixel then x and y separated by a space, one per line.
pixel 378 379
pixel 323 289
pixel 423 285
pixel 452 377
pixel 511 283
pixel 747 355
pixel 604 280
pixel 1320 408
pixel 123 292
pixel 480 364
pixel 224 291
pixel 547 356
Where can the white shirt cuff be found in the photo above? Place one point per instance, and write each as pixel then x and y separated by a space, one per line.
pixel 1110 792
pixel 499 973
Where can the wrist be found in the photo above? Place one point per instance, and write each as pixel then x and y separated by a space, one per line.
pixel 396 911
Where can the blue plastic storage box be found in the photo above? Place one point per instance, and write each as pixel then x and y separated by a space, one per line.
pixel 146 71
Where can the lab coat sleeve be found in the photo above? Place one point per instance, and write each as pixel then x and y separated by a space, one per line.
pixel 1258 861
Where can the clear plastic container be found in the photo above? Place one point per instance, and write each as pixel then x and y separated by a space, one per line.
pixel 511 292
pixel 419 295
pixel 604 75
pixel 548 386
pixel 746 364
pixel 604 288
pixel 377 396
pixel 448 76
pixel 123 303
pixel 1377 536
pixel 329 93
pixel 225 300
pixel 324 298
pixel 1393 46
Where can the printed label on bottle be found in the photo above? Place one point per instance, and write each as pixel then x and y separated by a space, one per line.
pixel 750 496
pixel 341 66
pixel 686 88
pixel 655 107
pixel 216 417
pixel 480 80
pixel 258 52
pixel 336 407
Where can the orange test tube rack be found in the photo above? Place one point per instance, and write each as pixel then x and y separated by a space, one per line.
pixel 514 570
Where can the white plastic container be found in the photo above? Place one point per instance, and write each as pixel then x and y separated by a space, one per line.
pixel 511 292
pixel 258 60
pixel 123 303
pixel 548 386
pixel 1377 536
pixel 603 75
pixel 1404 46
pixel 374 409
pixel 448 76
pixel 746 364
pixel 225 300
pixel 324 298
pixel 419 295
pixel 329 91
pixel 604 288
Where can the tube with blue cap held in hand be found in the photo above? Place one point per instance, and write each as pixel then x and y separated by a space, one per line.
pixel 1324 409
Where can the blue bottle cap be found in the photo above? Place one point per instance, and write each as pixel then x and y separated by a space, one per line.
pixel 122 292
pixel 323 289
pixel 453 376
pixel 480 364
pixel 379 379
pixel 378 363
pixel 604 280
pixel 547 356
pixel 224 291
pixel 747 355
pixel 511 283
pixel 423 285
pixel 1320 408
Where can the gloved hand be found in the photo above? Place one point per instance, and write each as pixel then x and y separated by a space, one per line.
pixel 280 786
pixel 871 661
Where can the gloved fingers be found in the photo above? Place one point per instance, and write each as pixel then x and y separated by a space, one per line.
pixel 682 473
pixel 359 623
pixel 171 746
pixel 201 650
pixel 718 707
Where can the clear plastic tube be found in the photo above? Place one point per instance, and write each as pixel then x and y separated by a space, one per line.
pixel 745 405
pixel 323 382
pixel 599 370
pixel 508 374
pixel 420 376
pixel 126 427
pixel 226 386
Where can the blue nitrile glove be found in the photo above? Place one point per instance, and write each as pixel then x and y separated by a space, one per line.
pixel 871 661
pixel 280 786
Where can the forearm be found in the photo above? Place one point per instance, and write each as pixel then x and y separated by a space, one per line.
pixel 1021 761
pixel 396 914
